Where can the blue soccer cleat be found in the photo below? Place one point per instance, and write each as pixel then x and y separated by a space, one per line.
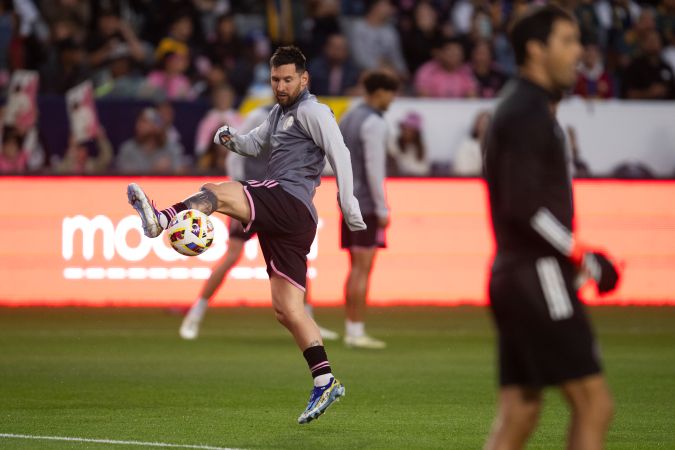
pixel 320 399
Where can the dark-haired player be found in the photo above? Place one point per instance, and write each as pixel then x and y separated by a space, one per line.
pixel 544 335
pixel 299 132
pixel 239 168
pixel 365 133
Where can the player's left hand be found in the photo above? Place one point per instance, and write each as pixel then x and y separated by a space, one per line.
pixel 602 270
pixel 383 222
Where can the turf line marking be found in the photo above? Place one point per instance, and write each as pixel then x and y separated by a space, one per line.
pixel 109 441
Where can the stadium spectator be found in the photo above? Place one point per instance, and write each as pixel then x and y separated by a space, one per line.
pixel 67 70
pixel 148 152
pixel 482 28
pixel 468 161
pixel 322 23
pixel 77 12
pixel 409 150
pixel 226 48
pixel 589 23
pixel 446 75
pixel 419 35
pixel 488 77
pixel 167 114
pixel 649 77
pixel 169 79
pixel 110 36
pixel 118 77
pixel 86 158
pixel 665 22
pixel 593 81
pixel 259 84
pixel 209 13
pixel 230 57
pixel 617 18
pixel 645 24
pixel 462 12
pixel 375 42
pixel 222 113
pixel 6 33
pixel 180 31
pixel 333 73
pixel 13 159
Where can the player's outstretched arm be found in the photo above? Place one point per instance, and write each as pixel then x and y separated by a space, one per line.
pixel 249 144
pixel 318 120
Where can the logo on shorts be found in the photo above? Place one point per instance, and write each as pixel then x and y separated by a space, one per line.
pixel 288 123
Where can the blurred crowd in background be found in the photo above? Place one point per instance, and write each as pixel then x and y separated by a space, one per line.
pixel 217 52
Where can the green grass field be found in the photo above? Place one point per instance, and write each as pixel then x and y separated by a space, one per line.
pixel 126 375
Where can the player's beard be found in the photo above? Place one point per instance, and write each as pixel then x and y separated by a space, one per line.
pixel 290 98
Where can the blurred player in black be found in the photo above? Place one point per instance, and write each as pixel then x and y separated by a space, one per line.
pixel 545 338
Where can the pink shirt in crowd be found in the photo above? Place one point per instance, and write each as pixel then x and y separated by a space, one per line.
pixel 432 80
pixel 176 87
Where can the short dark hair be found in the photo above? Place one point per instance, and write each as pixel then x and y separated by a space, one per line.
pixel 536 24
pixel 379 79
pixel 289 55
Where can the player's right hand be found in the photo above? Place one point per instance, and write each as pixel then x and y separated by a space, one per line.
pixel 224 135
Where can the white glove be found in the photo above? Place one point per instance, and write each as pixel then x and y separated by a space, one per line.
pixel 223 136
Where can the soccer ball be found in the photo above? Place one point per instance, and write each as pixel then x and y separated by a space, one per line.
pixel 190 232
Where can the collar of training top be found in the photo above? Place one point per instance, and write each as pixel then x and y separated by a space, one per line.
pixel 301 96
pixel 553 97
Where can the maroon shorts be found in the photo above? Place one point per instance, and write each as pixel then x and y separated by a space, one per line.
pixel 285 227
pixel 236 231
pixel 372 237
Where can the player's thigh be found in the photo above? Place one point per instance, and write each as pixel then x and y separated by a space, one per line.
pixel 589 394
pixel 232 200
pixel 362 258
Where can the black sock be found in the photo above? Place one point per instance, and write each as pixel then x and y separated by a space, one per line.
pixel 170 212
pixel 317 360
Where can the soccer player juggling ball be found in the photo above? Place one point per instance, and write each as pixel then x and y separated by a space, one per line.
pixel 299 132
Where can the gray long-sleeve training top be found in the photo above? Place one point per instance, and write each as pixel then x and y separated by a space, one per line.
pixel 299 137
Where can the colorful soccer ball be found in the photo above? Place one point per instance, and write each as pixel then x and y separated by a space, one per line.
pixel 190 232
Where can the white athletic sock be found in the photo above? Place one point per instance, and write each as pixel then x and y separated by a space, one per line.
pixel 355 329
pixel 309 309
pixel 322 380
pixel 163 221
pixel 199 308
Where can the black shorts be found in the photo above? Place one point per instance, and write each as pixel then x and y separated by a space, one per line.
pixel 372 237
pixel 236 231
pixel 285 227
pixel 544 335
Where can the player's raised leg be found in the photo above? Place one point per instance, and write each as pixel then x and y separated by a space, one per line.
pixel 287 301
pixel 190 327
pixel 517 416
pixel 228 198
pixel 356 293
pixel 592 409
